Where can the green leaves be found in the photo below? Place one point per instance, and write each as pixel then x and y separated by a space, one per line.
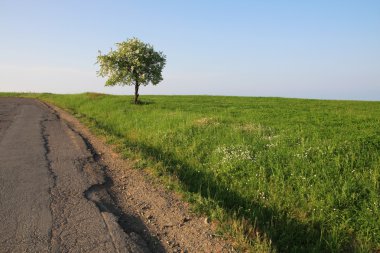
pixel 132 63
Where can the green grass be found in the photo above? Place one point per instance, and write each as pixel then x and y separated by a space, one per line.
pixel 283 175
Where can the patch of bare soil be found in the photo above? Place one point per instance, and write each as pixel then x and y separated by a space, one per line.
pixel 147 209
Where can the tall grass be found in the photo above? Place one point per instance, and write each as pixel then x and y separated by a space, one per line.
pixel 298 175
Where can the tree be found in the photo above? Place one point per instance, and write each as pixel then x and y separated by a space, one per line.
pixel 132 63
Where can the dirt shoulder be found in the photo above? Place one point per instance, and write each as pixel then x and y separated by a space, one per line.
pixel 163 220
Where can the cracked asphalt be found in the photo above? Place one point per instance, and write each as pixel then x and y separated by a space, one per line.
pixel 52 189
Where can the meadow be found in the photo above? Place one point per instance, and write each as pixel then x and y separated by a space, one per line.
pixel 280 175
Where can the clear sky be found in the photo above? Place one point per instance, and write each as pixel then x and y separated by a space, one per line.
pixel 289 48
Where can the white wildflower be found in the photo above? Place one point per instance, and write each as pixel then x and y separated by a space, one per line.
pixel 234 153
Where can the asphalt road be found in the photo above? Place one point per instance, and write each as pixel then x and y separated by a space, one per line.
pixel 51 197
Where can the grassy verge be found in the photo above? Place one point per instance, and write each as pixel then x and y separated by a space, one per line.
pixel 286 175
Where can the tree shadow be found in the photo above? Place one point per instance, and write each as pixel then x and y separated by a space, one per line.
pixel 143 102
pixel 286 233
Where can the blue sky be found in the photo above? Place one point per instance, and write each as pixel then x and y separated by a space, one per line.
pixel 309 49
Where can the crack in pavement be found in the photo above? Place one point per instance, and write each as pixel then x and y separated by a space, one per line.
pixel 53 176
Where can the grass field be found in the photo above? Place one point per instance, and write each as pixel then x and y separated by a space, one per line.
pixel 284 175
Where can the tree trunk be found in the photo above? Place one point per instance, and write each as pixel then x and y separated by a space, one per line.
pixel 137 92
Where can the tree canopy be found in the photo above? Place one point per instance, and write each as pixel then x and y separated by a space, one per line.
pixel 132 63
